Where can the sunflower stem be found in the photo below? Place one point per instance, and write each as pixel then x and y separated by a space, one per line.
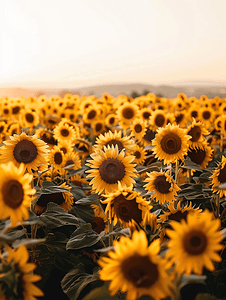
pixel 110 229
pixel 189 175
pixel 176 171
pixel 217 203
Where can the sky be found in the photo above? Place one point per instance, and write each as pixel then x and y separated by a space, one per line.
pixel 70 43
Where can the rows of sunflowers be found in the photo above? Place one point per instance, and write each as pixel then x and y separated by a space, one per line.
pixel 112 198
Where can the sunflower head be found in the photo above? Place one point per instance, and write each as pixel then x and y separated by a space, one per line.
pixel 135 268
pixel 171 143
pixel 194 244
pixel 20 283
pixel 201 154
pixel 219 177
pixel 109 167
pixel 99 221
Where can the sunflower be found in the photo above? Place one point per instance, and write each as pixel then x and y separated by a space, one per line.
pixel 64 199
pixel 171 143
pixel 98 126
pixel 194 244
pixel 109 138
pixel 207 115
pixel 111 120
pixel 91 114
pixel 65 146
pixel 20 283
pixel 127 113
pixel 84 147
pixel 219 177
pixel 24 149
pixel 163 186
pixel 15 193
pixel 201 154
pixel 217 123
pixel 56 157
pixel 145 113
pixel 110 167
pixel 46 136
pixel 140 155
pixel 138 129
pixel 158 119
pixel 64 132
pixel 99 221
pixel 135 268
pixel 14 128
pixel 197 131
pixel 51 121
pixel 126 205
pixel 193 112
pixel 148 137
pixel 176 212
pixel 29 118
pixel 72 159
pixel 3 128
pixel 78 180
pixel 181 118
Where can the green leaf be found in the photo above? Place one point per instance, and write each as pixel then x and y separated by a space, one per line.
pixel 55 216
pixel 76 280
pixel 101 293
pixel 83 237
pixel 92 199
pixel 27 242
pixel 188 164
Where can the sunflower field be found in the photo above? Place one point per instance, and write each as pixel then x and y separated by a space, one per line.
pixel 112 198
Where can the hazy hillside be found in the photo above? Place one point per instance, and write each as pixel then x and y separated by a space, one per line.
pixel 169 91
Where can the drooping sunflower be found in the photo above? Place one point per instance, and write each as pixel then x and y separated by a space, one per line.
pixel 125 206
pixel 158 119
pixel 84 147
pixel 194 244
pixel 148 137
pixel 29 150
pixel 78 180
pixel 99 221
pixel 65 199
pixel 72 159
pixel 110 167
pixel 138 129
pixel 51 121
pixel 181 118
pixel 171 143
pixel 197 131
pixel 46 136
pixel 135 268
pixel 15 193
pixel 20 283
pixel 109 138
pixel 140 155
pixel 219 177
pixel 201 154
pixel 64 132
pixel 164 187
pixel 176 212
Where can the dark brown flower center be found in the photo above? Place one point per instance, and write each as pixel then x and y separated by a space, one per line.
pixel 1 128
pixel 46 198
pixel 194 242
pixel 194 114
pixel 15 110
pixel 48 139
pixel 171 143
pixel 197 155
pixel 25 151
pixel 115 142
pixel 146 115
pixel 64 150
pixel 98 224
pixel 206 115
pixel 99 127
pixel 127 210
pixel 111 120
pixel 179 118
pixel 91 114
pixel 58 158
pixel 178 216
pixel 128 113
pixel 137 154
pixel 69 162
pixel 112 170
pixel 161 185
pixel 29 117
pixel 64 132
pixel 159 120
pixel 13 193
pixel 195 132
pixel 140 271
pixel 222 175
pixel 6 111
pixel 138 128
pixel 149 135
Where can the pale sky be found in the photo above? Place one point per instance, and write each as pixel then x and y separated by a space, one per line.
pixel 88 42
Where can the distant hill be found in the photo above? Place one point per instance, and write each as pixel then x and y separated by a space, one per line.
pixel 210 89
